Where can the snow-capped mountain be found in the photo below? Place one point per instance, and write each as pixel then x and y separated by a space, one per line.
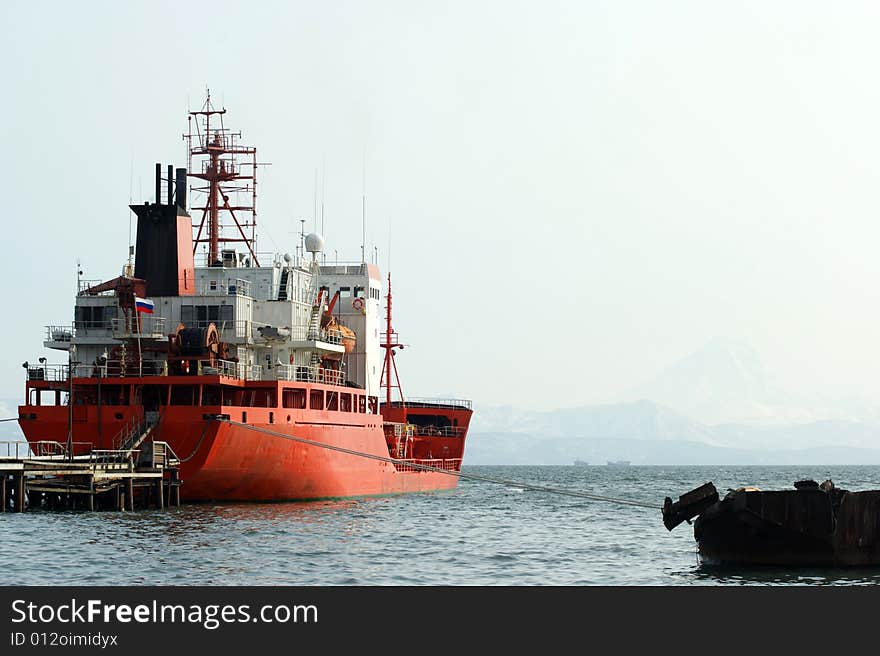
pixel 726 381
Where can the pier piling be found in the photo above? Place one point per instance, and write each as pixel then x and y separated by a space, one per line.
pixel 100 480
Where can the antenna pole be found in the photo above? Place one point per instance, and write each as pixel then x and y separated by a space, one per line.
pixel 391 342
pixel 224 178
pixel 364 208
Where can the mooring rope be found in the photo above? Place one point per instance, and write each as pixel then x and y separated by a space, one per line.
pixel 197 446
pixel 10 419
pixel 440 470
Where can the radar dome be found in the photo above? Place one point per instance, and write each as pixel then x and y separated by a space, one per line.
pixel 314 243
pixel 287 258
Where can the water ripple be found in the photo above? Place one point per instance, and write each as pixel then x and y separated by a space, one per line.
pixel 478 534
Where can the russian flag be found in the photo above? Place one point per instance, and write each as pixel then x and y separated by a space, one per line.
pixel 143 305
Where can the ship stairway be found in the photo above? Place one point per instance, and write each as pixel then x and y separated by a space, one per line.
pixel 282 287
pixel 317 305
pixel 315 322
pixel 133 435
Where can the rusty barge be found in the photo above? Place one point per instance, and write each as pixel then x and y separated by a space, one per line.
pixel 812 525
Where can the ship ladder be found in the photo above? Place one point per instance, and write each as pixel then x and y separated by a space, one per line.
pixel 282 287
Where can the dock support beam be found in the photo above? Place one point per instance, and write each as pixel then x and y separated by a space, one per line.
pixel 129 493
pixel 3 502
pixel 19 493
pixel 160 497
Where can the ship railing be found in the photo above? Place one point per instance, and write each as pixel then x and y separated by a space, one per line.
pixel 66 333
pixel 133 427
pixel 250 372
pixel 226 368
pixel 163 455
pixel 59 333
pixel 330 377
pixel 419 464
pixel 307 334
pixel 306 374
pixel 228 287
pixel 54 373
pixel 143 326
pixel 58 373
pixel 425 402
pixel 238 328
pixel 81 327
pixel 15 449
pixel 266 258
pixel 239 370
pixel 345 268
pixel 285 371
pixel 439 431
pixel 398 429
pixel 83 285
pixel 49 448
pixel 130 367
pixel 104 457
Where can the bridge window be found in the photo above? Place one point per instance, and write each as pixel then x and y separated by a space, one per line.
pixel 333 400
pixel 345 402
pixel 204 314
pixel 91 317
pixel 259 398
pixel 358 292
pixel 211 395
pixel 183 395
pixel 316 399
pixel 344 292
pixel 294 398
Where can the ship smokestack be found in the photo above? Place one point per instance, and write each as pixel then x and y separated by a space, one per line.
pixel 180 188
pixel 164 254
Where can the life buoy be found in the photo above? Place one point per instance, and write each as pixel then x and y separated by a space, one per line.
pixel 358 304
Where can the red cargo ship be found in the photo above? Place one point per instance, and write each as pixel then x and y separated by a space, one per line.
pixel 263 380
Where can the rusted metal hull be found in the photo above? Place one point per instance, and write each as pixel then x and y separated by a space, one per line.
pixel 813 527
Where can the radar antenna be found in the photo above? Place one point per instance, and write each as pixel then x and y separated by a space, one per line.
pixel 214 152
pixel 389 343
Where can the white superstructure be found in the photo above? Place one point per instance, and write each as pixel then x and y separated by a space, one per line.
pixel 274 320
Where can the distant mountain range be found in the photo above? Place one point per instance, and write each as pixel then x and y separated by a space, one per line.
pixel 646 432
pixel 726 381
pixel 519 449
pixel 718 405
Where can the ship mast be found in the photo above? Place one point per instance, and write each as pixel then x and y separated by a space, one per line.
pixel 216 148
pixel 389 344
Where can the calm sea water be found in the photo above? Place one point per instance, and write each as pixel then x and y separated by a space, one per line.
pixel 479 534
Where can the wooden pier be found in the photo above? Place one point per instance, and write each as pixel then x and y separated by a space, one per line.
pixel 45 476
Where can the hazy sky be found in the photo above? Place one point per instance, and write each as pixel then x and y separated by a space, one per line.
pixel 579 193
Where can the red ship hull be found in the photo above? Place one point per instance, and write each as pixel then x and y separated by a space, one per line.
pixel 246 454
